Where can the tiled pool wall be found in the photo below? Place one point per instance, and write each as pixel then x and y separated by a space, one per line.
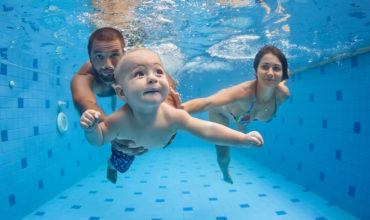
pixel 320 137
pixel 36 162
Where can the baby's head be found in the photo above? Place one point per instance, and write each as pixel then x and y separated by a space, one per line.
pixel 141 78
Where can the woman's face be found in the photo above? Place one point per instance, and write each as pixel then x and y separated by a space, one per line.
pixel 269 70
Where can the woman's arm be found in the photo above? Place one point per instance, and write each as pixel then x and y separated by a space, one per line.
pixel 223 97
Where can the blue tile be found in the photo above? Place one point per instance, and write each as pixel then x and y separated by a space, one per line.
pixel 94 218
pixel 62 172
pixel 35 76
pixel 58 82
pixel 212 199
pixel 276 187
pixel 4 69
pixel 188 209
pixel 159 200
pixel 162 187
pixel 356 127
pixel 232 190
pixel 58 70
pixel 108 200
pixel 20 102
pixel 321 218
pixel 322 70
pixel 143 181
pixel 164 177
pixel 138 193
pixel 206 185
pixel 63 197
pixel 354 62
pixel 311 97
pixel 339 95
pixel 262 195
pixel 35 63
pixel 291 141
pixel 299 166
pixel 4 53
pixel 295 200
pixel 280 213
pixel 40 213
pixel 221 218
pixel 322 176
pixel 351 191
pixel 41 184
pixel 244 205
pixel 36 130
pixel 75 207
pixel 12 200
pixel 129 209
pixel 156 219
pixel 300 121
pixel 185 192
pixel 92 191
pixel 311 147
pixel 50 153
pixel 24 162
pixel 338 154
pixel 184 181
pixel 4 135
pixel 324 123
pixel 47 103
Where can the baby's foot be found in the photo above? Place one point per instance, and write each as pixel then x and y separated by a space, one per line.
pixel 227 177
pixel 111 172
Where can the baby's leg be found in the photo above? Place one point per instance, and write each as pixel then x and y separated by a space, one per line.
pixel 111 171
pixel 223 152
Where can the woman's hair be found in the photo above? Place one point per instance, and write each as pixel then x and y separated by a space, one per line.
pixel 106 34
pixel 275 51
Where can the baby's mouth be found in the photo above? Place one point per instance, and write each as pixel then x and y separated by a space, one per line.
pixel 152 91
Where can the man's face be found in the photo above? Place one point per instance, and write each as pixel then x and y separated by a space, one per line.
pixel 104 57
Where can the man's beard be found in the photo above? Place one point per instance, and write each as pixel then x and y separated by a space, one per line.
pixel 106 78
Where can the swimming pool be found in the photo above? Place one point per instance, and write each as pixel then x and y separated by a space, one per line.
pixel 314 164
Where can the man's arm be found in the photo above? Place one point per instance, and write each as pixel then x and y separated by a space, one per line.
pixel 82 90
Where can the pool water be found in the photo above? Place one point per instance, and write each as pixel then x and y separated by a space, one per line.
pixel 314 164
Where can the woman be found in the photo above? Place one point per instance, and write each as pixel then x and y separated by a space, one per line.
pixel 255 100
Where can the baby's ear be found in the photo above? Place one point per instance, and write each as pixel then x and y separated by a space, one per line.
pixel 119 92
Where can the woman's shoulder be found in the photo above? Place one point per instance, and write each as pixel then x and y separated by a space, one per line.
pixel 282 92
pixel 242 90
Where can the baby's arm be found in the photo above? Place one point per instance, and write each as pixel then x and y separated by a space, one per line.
pixel 217 133
pixel 96 133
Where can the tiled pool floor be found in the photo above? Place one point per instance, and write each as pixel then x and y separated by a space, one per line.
pixel 185 183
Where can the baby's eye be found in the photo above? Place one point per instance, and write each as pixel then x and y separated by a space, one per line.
pixel 159 71
pixel 139 74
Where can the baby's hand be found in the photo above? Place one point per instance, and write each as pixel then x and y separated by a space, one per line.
pixel 255 138
pixel 89 119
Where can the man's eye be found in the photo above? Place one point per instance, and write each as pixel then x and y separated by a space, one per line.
pixel 115 55
pixel 99 57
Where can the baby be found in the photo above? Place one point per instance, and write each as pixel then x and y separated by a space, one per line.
pixel 145 118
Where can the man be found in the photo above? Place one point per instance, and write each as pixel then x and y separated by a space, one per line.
pixel 106 48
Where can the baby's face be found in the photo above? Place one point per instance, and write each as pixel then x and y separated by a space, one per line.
pixel 142 78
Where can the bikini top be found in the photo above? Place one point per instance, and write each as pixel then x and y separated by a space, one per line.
pixel 245 119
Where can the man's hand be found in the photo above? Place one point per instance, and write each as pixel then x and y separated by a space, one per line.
pixel 128 147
